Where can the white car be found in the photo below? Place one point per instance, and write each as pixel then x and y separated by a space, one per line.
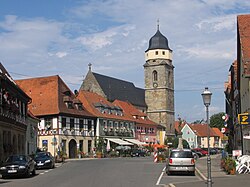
pixel 180 160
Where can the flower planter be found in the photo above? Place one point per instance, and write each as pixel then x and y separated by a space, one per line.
pixel 232 171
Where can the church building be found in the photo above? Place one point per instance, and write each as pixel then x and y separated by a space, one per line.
pixel 157 98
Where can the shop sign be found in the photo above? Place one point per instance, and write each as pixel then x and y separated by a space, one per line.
pixel 244 119
pixel 237 153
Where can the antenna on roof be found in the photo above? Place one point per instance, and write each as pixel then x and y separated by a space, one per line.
pixel 158 24
pixel 89 66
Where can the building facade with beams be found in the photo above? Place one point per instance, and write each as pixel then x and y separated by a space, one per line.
pixel 113 123
pixel 65 125
pixel 237 88
pixel 13 116
pixel 146 130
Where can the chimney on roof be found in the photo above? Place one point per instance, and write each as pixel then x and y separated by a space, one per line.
pixel 76 93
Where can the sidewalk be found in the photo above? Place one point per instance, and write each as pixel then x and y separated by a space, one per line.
pixel 219 177
pixel 216 171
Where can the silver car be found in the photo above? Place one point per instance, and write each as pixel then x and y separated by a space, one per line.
pixel 180 160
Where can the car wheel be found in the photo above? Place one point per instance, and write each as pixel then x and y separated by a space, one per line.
pixel 27 174
pixel 168 172
pixel 4 177
pixel 34 172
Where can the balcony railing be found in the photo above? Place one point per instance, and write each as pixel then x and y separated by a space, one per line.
pixel 12 115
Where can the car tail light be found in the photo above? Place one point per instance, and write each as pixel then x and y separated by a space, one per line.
pixel 170 161
pixel 192 161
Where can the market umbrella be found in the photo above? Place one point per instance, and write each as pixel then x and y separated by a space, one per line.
pixel 120 147
pixel 127 147
pixel 108 146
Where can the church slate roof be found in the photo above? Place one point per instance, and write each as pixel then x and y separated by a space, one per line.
pixel 158 41
pixel 121 90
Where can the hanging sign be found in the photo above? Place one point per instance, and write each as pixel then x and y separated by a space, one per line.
pixel 244 119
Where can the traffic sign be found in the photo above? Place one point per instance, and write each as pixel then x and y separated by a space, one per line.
pixel 244 119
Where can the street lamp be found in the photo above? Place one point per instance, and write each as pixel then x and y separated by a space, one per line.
pixel 54 131
pixel 206 96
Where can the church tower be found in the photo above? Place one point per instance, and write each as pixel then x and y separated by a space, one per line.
pixel 159 82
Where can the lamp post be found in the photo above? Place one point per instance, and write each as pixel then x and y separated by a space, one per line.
pixel 206 96
pixel 54 141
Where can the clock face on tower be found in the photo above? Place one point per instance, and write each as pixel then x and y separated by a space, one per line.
pixel 155 85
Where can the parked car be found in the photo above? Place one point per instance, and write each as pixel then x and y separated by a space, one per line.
pixel 44 160
pixel 18 165
pixel 180 160
pixel 204 152
pixel 138 153
pixel 198 153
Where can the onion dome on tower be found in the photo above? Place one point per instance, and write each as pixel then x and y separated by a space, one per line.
pixel 158 47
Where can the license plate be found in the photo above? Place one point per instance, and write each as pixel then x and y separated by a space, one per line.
pixel 40 164
pixel 181 168
pixel 12 171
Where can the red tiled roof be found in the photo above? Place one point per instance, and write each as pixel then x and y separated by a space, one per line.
pixel 48 94
pixel 218 132
pixel 201 130
pixel 32 115
pixel 141 118
pixel 244 39
pixel 89 99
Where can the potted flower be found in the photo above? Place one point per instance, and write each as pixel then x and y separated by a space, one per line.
pixel 230 166
pixel 99 154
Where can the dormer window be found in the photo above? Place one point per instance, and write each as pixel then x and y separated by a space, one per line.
pixel 68 102
pixel 70 105
pixel 78 104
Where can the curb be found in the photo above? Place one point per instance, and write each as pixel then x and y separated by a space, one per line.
pixel 203 177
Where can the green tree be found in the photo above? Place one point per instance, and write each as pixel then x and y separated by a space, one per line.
pixel 216 120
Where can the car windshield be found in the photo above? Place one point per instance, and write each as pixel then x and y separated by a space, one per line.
pixel 39 155
pixel 181 154
pixel 17 158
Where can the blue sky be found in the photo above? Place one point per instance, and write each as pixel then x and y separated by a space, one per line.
pixel 61 37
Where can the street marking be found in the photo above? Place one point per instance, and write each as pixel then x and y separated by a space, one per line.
pixel 159 179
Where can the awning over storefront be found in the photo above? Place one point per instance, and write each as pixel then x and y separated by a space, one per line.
pixel 119 141
pixel 136 142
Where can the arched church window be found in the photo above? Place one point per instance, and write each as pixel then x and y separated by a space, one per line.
pixel 155 76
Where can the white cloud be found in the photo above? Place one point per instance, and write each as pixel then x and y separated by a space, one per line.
pixel 219 23
pixel 61 54
pixel 219 50
pixel 98 40
pixel 113 35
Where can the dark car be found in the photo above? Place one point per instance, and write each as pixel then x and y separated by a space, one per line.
pixel 44 160
pixel 138 153
pixel 18 165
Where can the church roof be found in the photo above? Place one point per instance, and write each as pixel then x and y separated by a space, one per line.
pixel 158 41
pixel 121 90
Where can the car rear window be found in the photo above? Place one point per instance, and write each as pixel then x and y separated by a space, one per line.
pixel 181 154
